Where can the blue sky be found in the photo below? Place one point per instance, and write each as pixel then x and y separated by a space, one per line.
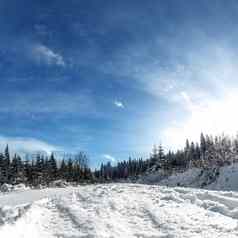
pixel 114 77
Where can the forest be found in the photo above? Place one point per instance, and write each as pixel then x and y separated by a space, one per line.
pixel 208 153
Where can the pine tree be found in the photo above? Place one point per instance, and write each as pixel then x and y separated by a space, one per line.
pixel 154 156
pixel 69 175
pixel 160 153
pixel 52 167
pixel 203 145
pixel 6 165
pixel 1 168
pixel 14 169
pixel 27 171
pixel 39 169
pixel 63 170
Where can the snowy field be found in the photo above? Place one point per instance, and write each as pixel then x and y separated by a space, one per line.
pixel 118 210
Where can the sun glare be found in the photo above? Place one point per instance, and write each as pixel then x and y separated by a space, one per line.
pixel 215 116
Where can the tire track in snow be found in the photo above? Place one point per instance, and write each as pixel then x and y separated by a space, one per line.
pixel 62 223
pixel 128 210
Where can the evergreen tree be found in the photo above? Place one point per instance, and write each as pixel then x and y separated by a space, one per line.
pixel 63 169
pixel 6 165
pixel 2 178
pixel 154 156
pixel 202 145
pixel 52 167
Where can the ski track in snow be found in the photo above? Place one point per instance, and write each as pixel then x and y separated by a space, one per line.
pixel 119 210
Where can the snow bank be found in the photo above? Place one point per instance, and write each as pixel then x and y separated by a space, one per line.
pixel 223 178
pixel 188 178
pixel 227 179
pixel 194 177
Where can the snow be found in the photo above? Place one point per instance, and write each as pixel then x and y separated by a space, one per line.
pixel 186 179
pixel 217 178
pixel 227 179
pixel 9 187
pixel 119 210
pixel 6 188
pixel 31 195
pixel 59 184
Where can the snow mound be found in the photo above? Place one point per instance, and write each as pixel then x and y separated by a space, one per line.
pixel 11 214
pixel 9 187
pixel 6 188
pixel 20 187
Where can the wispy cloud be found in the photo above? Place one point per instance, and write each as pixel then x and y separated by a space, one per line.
pixel 119 104
pixel 47 55
pixel 200 88
pixel 109 158
pixel 26 145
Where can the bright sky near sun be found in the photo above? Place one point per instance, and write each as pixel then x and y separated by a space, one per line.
pixel 114 77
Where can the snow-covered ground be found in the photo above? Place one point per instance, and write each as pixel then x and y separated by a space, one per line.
pixel 119 210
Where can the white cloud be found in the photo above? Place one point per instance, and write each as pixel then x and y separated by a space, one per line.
pixel 48 56
pixel 25 145
pixel 109 157
pixel 119 104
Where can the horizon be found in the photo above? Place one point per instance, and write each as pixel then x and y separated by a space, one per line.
pixel 113 79
pixel 61 155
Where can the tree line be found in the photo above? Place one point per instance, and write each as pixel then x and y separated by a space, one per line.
pixel 123 170
pixel 209 152
pixel 43 169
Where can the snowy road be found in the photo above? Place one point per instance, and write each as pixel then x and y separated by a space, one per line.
pixel 119 210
